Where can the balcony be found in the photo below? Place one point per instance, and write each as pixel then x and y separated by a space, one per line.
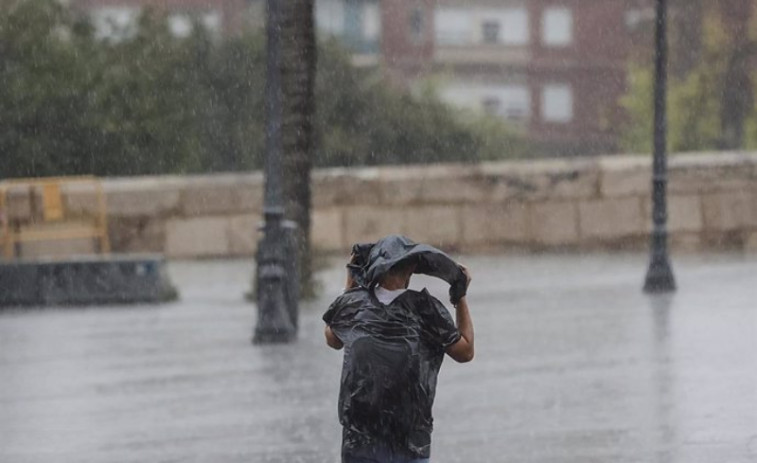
pixel 471 54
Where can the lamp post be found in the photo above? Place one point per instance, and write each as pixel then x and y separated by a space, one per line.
pixel 659 277
pixel 277 288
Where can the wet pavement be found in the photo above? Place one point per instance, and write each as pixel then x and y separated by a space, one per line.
pixel 574 364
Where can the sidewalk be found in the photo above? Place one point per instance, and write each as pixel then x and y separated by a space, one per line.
pixel 574 364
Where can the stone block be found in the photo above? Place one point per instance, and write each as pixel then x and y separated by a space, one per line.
pixel 401 192
pixel 249 197
pixel 716 172
pixel 573 184
pixel 488 224
pixel 137 234
pixel 686 242
pixel 725 241
pixel 221 198
pixel 243 234
pixel 728 211
pixel 611 219
pixel 437 186
pixel 345 187
pixel 58 248
pixel 751 242
pixel 327 232
pixel 152 200
pixel 368 224
pixel 435 225
pixel 684 214
pixel 197 237
pixel 540 180
pixel 204 200
pixel 553 223
pixel 625 176
pixel 81 202
pixel 450 190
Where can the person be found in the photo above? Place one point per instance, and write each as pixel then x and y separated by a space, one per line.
pixel 394 341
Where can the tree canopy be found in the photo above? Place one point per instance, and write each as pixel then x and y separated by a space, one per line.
pixel 710 97
pixel 154 103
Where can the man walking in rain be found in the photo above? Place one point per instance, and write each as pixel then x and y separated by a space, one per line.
pixel 394 342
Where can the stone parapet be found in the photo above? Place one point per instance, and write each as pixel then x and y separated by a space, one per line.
pixel 581 203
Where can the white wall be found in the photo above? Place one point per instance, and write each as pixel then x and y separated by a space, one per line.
pixel 464 25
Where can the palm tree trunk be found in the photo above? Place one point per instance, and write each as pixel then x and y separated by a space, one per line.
pixel 737 99
pixel 298 98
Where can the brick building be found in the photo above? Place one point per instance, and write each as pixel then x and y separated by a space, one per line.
pixel 555 68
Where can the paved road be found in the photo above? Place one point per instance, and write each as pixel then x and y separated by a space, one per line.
pixel 574 364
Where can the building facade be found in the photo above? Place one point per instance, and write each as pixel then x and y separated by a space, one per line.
pixel 554 68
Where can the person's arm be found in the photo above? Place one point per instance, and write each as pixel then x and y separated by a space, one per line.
pixel 463 350
pixel 331 339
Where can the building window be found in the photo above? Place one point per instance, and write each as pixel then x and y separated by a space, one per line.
pixel 513 26
pixel 517 105
pixel 557 27
pixel 361 28
pixel 490 31
pixel 416 25
pixel 115 23
pixel 557 103
pixel 211 21
pixel 330 16
pixel 371 22
pixel 180 25
pixel 452 26
pixel 508 101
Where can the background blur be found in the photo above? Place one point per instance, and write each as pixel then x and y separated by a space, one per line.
pixel 174 86
pixel 514 134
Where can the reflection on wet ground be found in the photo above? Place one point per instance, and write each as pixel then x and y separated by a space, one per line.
pixel 574 364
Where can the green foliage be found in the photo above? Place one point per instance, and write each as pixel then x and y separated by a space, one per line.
pixel 154 103
pixel 695 123
pixel 43 77
pixel 695 100
pixel 693 112
pixel 362 121
pixel 636 136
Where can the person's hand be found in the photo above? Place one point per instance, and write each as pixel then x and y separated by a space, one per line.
pixel 467 274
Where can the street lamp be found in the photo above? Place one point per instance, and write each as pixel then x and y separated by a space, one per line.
pixel 659 277
pixel 277 283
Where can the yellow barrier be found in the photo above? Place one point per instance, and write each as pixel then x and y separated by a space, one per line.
pixel 49 221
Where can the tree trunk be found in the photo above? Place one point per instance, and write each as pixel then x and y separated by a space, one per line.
pixel 687 17
pixel 736 102
pixel 298 92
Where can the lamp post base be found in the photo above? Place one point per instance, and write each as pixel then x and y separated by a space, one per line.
pixel 659 276
pixel 277 290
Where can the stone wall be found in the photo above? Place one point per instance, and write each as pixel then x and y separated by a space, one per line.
pixel 584 203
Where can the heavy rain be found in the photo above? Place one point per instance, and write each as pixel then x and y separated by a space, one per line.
pixel 267 231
